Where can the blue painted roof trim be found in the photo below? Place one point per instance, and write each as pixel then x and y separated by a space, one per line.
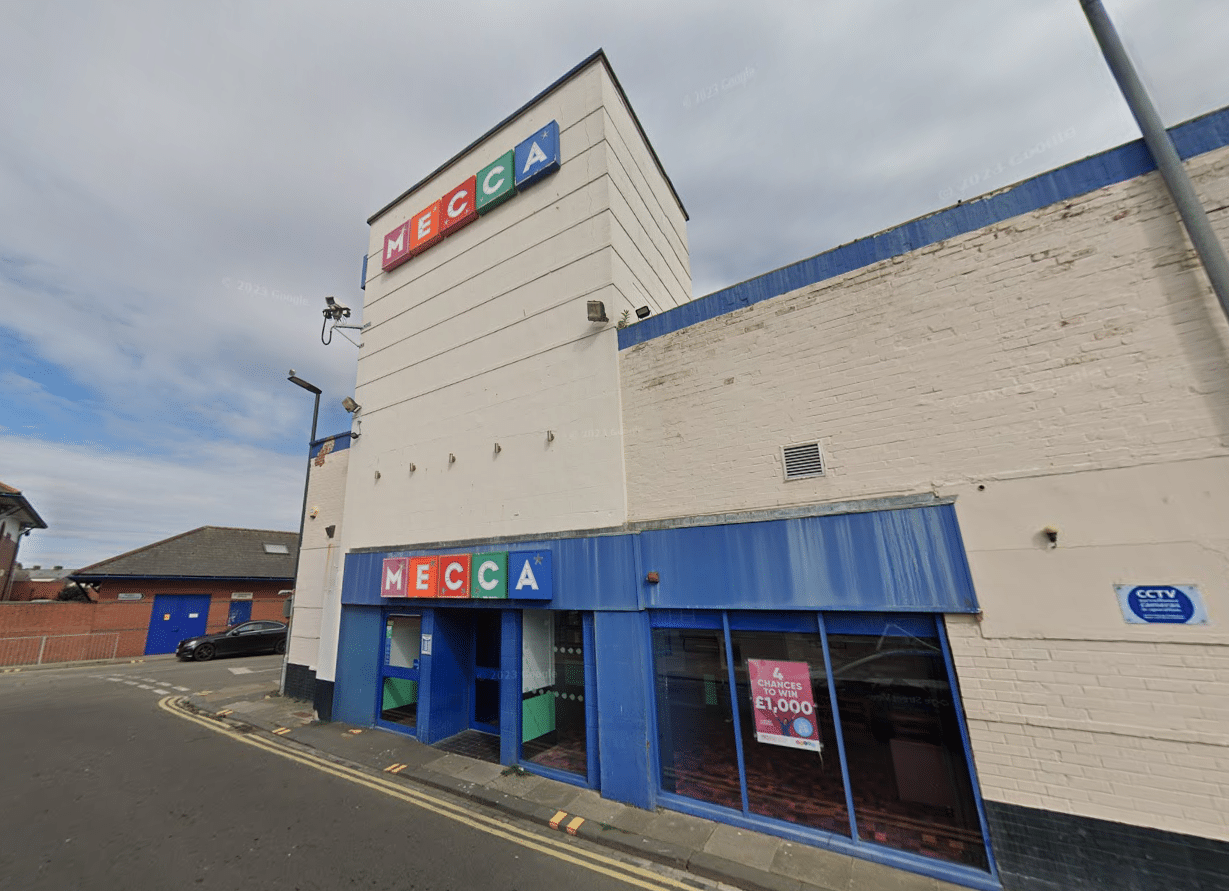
pixel 341 441
pixel 1194 137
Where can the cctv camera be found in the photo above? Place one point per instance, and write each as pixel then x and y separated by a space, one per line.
pixel 334 310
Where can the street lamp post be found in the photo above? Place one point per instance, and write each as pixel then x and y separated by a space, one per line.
pixel 299 382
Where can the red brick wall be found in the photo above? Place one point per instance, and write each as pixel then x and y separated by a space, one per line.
pixel 8 560
pixel 112 627
pixel 266 604
pixel 28 590
pixel 68 632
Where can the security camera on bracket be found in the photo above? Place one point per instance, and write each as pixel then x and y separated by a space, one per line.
pixel 335 312
pixel 355 410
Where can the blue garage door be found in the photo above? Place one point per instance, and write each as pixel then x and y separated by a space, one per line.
pixel 175 617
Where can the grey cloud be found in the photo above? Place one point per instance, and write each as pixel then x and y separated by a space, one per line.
pixel 154 158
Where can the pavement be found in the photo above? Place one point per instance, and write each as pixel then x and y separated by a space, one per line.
pixel 716 851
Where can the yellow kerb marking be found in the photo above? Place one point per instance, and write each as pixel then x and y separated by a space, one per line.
pixel 552 846
pixel 394 768
pixel 574 825
pixel 557 819
pixel 279 731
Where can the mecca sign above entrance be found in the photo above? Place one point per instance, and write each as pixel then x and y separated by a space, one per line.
pixel 509 174
pixel 523 575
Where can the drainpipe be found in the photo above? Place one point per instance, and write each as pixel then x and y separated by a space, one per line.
pixel 1209 249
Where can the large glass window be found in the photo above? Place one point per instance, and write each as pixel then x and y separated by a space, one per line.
pixel 883 731
pixel 694 717
pixel 786 779
pixel 553 690
pixel 907 769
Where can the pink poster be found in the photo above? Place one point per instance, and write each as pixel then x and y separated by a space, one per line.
pixel 784 706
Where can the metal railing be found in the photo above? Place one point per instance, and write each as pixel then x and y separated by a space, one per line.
pixel 46 648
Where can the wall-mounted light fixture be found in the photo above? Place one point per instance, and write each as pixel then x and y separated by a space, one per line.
pixel 550 435
pixel 354 409
pixel 329 530
pixel 1051 535
pixel 498 448
pixel 642 312
pixel 413 467
pixel 452 459
pixel 377 474
pixel 597 311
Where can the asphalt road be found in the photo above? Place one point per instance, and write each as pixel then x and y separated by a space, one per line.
pixel 103 789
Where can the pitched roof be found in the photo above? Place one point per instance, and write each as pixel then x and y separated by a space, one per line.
pixel 210 552
pixel 12 498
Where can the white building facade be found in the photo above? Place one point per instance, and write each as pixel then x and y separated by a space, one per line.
pixel 957 486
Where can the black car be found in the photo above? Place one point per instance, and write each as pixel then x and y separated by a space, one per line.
pixel 245 639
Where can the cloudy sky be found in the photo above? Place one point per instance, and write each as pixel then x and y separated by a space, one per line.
pixel 181 184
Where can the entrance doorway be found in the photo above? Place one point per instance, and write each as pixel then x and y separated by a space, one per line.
pixel 240 612
pixel 401 672
pixel 485 673
pixel 467 682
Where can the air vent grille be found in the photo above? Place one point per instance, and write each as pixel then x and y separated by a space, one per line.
pixel 802 461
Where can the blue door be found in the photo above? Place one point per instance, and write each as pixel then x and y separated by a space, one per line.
pixel 240 611
pixel 402 653
pixel 175 617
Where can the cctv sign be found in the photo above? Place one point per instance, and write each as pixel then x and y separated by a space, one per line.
pixel 509 174
pixel 522 575
pixel 1161 604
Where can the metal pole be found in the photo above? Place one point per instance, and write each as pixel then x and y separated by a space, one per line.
pixel 1209 249
pixel 307 477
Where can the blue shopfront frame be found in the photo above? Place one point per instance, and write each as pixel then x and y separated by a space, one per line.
pixel 765 574
pixel 822 624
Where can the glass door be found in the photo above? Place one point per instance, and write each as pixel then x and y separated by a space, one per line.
pixel 399 693
pixel 553 708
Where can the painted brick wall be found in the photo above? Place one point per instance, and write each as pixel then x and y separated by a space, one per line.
pixel 1065 367
pixel 1100 728
pixel 317 599
pixel 1073 337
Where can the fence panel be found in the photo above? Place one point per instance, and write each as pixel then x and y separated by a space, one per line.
pixel 47 648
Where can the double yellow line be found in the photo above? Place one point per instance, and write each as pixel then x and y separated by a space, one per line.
pixel 543 844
